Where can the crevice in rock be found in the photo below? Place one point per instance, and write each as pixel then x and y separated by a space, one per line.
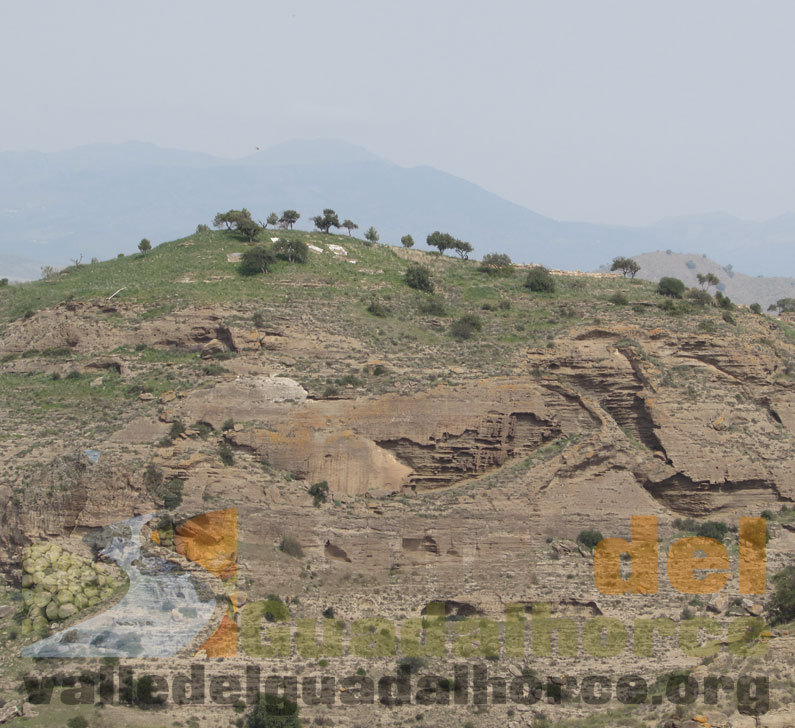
pixel 224 335
pixel 453 608
pixel 335 552
pixel 569 607
pixel 426 543
pixel 624 402
pixel 688 497
pixel 498 438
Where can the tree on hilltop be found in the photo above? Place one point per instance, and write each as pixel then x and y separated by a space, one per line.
pixel 249 229
pixel 627 266
pixel 407 241
pixel 705 280
pixel 441 241
pixel 463 249
pixel 783 305
pixel 144 246
pixel 272 219
pixel 371 236
pixel 288 219
pixel 239 220
pixel 327 220
pixel 349 225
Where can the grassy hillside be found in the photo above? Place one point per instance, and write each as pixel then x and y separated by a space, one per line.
pixel 338 288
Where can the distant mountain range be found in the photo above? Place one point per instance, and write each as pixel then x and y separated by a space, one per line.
pixel 100 200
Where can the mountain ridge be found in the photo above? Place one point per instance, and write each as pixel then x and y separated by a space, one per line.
pixel 100 200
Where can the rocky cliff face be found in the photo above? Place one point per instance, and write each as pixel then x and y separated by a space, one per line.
pixel 466 488
pixel 703 424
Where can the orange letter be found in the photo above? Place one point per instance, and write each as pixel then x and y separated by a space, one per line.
pixel 643 552
pixel 682 562
pixel 753 535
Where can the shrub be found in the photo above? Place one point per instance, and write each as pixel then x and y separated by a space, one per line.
pixel 177 428
pixel 713 529
pixel 432 307
pixel 273 711
pixel 756 308
pixel 699 297
pixel 291 547
pixel 77 722
pixel 690 265
pixel 275 609
pixel 724 302
pixel 728 318
pixel 707 529
pixel 619 299
pixel 589 538
pixel 496 264
pixel 258 320
pixel 228 425
pixel 671 287
pixel 411 663
pixel 328 613
pixel 319 492
pixel 782 602
pixel 419 277
pixel 377 309
pixel 293 251
pixel 255 261
pixel 3 282
pixel 505 304
pixel 202 228
pixel 540 280
pixel 213 369
pixel 407 241
pixel 171 494
pixel 226 454
pixel 465 327
pixel 707 326
pixel 153 477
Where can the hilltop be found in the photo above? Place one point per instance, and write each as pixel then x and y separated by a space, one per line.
pixel 382 459
pixel 739 286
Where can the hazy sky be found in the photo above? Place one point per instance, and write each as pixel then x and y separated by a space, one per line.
pixel 618 111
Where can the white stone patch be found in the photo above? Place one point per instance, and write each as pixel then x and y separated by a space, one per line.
pixel 274 240
pixel 314 248
pixel 337 249
pixel 279 389
pixel 233 257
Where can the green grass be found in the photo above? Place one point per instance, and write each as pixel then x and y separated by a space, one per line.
pixel 196 269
